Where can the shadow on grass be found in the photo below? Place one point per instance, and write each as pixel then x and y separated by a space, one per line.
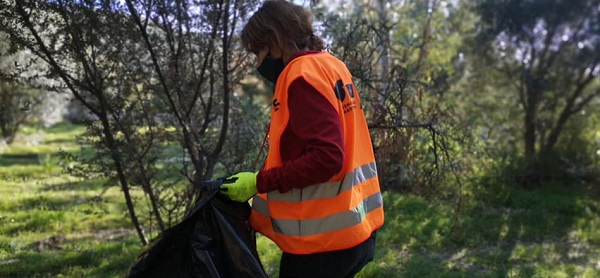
pixel 523 233
pixel 45 203
pixel 413 240
pixel 506 233
pixel 52 202
pixel 58 212
pixel 106 259
pixel 59 141
pixel 23 159
pixel 65 127
pixel 80 185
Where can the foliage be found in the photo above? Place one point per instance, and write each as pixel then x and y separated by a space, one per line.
pixel 15 108
pixel 158 78
pixel 18 103
pixel 404 55
pixel 541 59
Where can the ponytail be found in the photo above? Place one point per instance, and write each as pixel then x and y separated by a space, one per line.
pixel 315 43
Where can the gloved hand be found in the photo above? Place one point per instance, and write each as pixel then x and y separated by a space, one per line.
pixel 240 187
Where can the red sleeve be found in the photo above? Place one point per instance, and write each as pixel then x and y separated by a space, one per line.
pixel 312 146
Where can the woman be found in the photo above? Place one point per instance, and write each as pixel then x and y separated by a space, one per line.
pixel 318 194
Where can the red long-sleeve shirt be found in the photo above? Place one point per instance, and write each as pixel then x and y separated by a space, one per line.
pixel 312 146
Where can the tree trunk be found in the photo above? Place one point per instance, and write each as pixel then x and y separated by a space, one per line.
pixel 383 48
pixel 146 184
pixel 531 107
pixel 110 141
pixel 530 138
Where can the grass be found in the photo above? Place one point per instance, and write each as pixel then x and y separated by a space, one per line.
pixel 55 225
pixel 556 238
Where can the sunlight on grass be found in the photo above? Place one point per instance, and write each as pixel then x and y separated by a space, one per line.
pixel 53 223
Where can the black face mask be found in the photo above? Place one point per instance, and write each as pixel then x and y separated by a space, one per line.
pixel 270 68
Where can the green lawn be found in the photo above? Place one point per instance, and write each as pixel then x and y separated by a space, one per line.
pixel 52 224
pixel 55 225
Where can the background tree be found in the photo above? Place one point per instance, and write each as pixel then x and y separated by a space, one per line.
pixel 18 103
pixel 158 77
pixel 545 55
pixel 403 57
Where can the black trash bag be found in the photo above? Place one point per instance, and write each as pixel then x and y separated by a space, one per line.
pixel 214 240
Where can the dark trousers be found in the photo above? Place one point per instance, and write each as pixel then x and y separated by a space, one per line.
pixel 343 263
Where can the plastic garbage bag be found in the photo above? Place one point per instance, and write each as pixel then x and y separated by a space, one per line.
pixel 214 240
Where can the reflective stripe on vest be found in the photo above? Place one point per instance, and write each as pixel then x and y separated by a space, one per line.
pixel 328 189
pixel 321 225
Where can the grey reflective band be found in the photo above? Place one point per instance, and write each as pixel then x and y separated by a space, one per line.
pixel 328 189
pixel 330 223
pixel 260 206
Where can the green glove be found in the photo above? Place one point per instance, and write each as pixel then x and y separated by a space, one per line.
pixel 240 187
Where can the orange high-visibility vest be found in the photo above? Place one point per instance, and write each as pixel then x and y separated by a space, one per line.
pixel 342 212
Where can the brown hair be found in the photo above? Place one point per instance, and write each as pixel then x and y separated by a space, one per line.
pixel 282 23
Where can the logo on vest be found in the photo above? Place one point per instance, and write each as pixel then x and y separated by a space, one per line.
pixel 276 104
pixel 340 89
